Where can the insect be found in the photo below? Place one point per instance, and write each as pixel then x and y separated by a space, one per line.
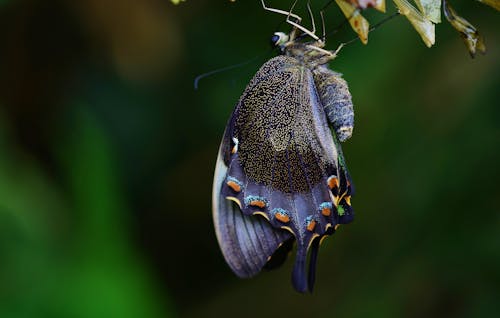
pixel 280 177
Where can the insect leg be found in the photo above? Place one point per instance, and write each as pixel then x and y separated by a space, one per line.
pixel 287 13
pixel 311 15
pixel 338 49
pixel 293 23
pixel 323 37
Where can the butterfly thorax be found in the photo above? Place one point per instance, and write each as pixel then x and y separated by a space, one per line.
pixel 310 54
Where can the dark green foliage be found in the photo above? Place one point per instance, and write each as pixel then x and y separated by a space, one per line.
pixel 106 157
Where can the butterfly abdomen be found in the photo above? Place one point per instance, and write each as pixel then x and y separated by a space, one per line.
pixel 337 101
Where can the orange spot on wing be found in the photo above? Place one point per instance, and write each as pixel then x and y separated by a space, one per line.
pixel 233 185
pixel 333 182
pixel 282 217
pixel 326 211
pixel 258 203
pixel 310 227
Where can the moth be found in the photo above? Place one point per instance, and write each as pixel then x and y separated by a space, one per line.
pixel 280 178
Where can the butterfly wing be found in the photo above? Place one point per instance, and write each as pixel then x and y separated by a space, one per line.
pixel 247 242
pixel 281 166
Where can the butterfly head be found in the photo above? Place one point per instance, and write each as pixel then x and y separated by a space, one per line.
pixel 279 40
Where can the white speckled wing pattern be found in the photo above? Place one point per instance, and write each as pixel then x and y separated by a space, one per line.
pixel 280 173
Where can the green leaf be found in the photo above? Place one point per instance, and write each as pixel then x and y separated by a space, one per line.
pixel 364 4
pixel 472 39
pixel 358 23
pixel 431 9
pixel 422 25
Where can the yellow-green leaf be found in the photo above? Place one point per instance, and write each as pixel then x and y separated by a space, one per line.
pixel 472 39
pixel 422 25
pixel 358 23
pixel 364 4
pixel 380 5
pixel 431 9
pixel 492 3
pixel 177 1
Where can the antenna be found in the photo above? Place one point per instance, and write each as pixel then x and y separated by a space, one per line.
pixel 223 69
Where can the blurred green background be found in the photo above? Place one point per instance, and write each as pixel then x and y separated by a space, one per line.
pixel 107 154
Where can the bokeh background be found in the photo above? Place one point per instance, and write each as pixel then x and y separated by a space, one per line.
pixel 107 154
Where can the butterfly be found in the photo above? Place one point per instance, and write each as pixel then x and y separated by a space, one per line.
pixel 280 177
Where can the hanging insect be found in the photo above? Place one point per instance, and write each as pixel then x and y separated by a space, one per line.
pixel 280 175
